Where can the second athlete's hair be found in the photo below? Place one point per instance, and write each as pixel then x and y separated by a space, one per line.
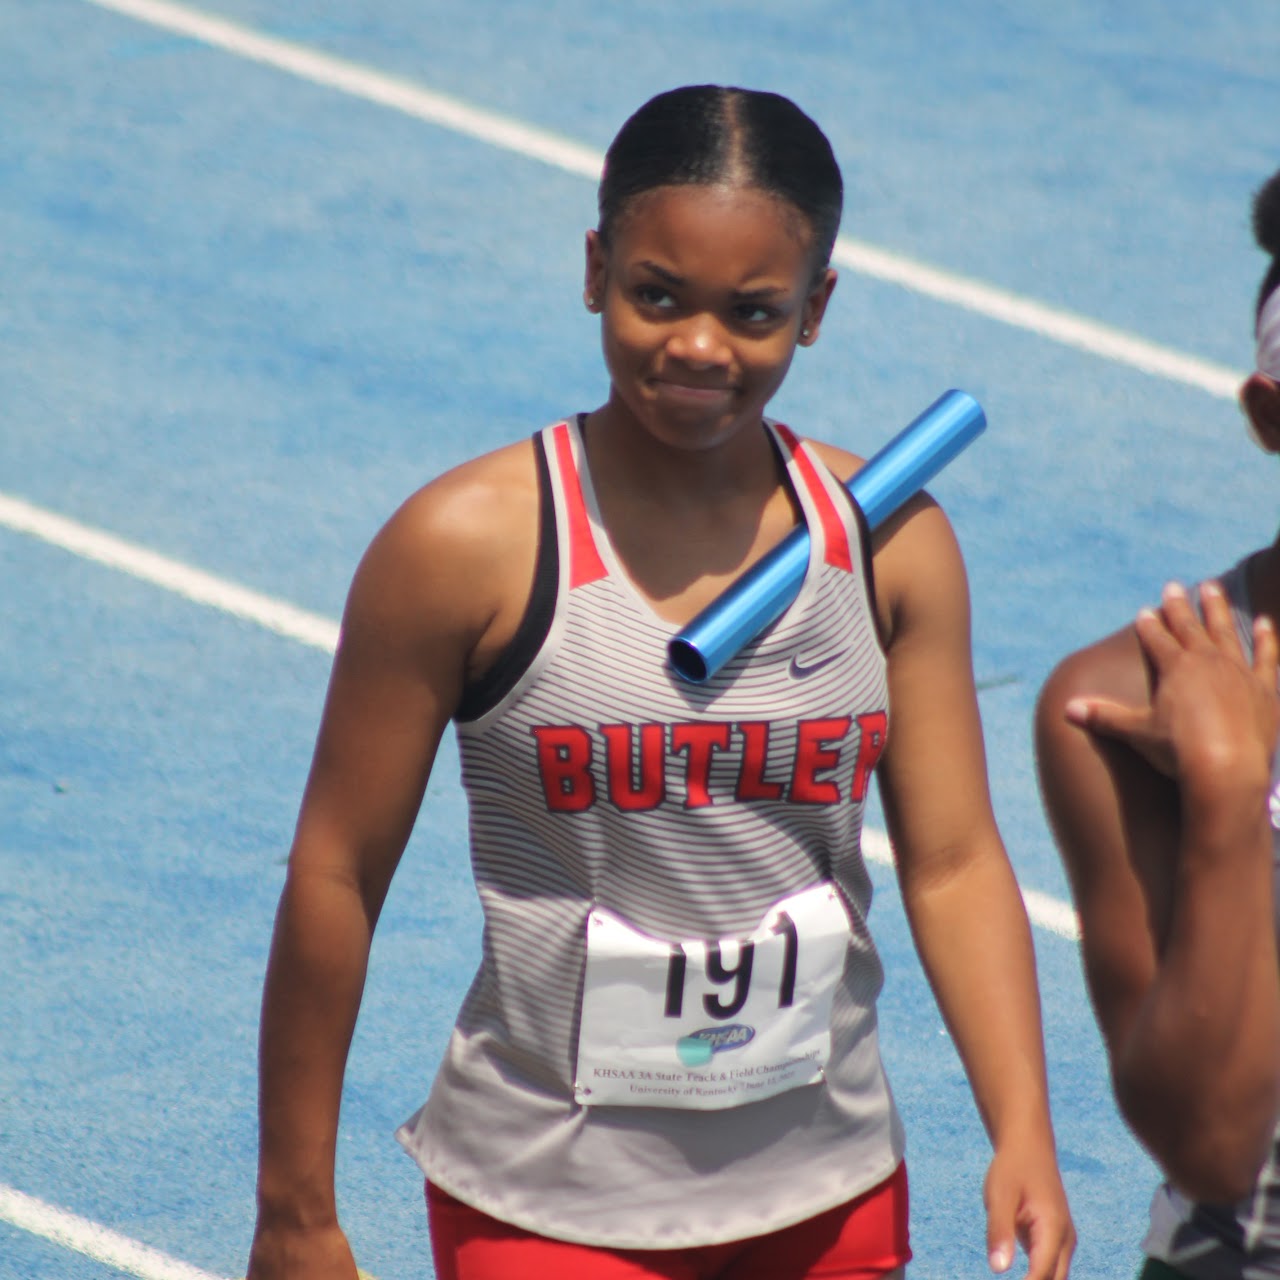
pixel 1266 230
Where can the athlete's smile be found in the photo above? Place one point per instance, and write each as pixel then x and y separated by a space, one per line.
pixel 694 392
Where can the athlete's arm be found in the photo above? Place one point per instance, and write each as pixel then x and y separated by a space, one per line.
pixel 1159 806
pixel 436 595
pixel 958 888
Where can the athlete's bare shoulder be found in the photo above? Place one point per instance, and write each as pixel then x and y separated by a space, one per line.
pixel 484 499
pixel 454 565
pixel 917 559
pixel 846 465
pixel 840 461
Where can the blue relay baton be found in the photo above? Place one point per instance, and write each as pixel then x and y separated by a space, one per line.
pixel 902 468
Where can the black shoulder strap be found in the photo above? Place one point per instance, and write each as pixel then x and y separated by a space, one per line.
pixel 484 694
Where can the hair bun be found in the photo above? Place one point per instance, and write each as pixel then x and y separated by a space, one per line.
pixel 1266 216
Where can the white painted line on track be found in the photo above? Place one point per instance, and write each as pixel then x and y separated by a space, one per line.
pixel 363 82
pixel 1063 327
pixel 182 579
pixel 94 1241
pixel 1047 913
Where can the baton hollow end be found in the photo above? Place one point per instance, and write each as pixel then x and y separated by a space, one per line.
pixel 687 661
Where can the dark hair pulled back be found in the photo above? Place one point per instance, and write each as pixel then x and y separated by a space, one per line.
pixel 1266 230
pixel 705 135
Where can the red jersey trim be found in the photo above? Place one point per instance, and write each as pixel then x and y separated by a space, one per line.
pixel 835 536
pixel 585 564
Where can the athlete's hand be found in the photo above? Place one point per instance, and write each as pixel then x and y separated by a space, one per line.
pixel 1026 1204
pixel 1213 717
pixel 293 1253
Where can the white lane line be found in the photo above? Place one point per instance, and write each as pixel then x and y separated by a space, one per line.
pixel 364 82
pixel 1048 913
pixel 172 575
pixel 1064 327
pixel 94 1241
pixel 1052 914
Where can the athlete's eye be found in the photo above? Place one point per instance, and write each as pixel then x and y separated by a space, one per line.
pixel 654 295
pixel 754 313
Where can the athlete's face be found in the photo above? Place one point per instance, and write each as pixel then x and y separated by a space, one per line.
pixel 705 293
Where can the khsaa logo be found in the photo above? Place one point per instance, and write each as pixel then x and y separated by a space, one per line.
pixel 697 1050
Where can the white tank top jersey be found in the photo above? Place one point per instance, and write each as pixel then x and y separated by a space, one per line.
pixel 1241 1241
pixel 671 1039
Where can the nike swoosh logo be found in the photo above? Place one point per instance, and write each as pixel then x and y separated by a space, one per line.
pixel 800 672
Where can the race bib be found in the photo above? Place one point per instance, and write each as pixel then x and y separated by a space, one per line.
pixel 710 1024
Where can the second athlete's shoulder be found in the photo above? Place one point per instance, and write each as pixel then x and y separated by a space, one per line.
pixel 1111 667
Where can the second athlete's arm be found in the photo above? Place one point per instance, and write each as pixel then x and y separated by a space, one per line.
pixel 1170 863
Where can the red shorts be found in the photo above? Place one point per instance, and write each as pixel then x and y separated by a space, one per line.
pixel 863 1240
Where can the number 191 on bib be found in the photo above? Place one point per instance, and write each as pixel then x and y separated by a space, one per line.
pixel 710 1024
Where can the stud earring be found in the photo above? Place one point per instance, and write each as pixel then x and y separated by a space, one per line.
pixel 806 332
pixel 591 301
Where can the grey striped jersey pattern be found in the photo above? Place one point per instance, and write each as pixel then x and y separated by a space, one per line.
pixel 689 859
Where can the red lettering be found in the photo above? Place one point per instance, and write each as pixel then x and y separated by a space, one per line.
pixel 874 726
pixel 752 784
pixel 624 791
pixel 812 755
pixel 564 757
pixel 636 762
pixel 701 741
